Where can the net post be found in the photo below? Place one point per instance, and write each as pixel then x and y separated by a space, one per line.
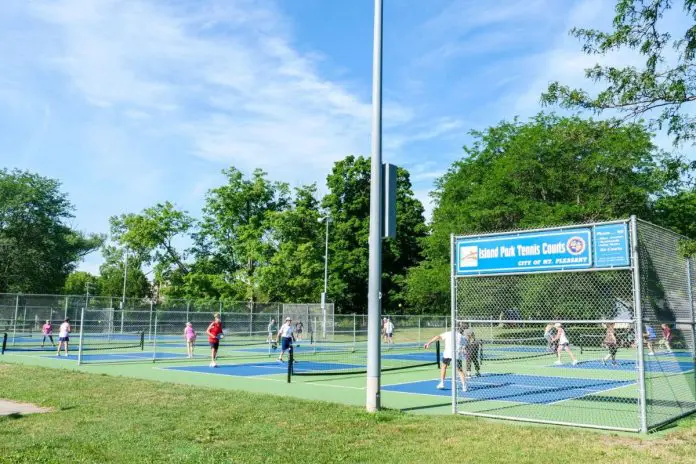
pixel 142 341
pixel 4 343
pixel 291 362
pixel 154 342
pixel 638 314
pixel 80 348
pixel 453 303
pixel 437 353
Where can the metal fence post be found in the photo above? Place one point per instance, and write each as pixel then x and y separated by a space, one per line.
pixel 419 330
pixel 67 299
pixel 690 293
pixel 188 307
pixel 355 322
pixel 16 314
pixel 149 325
pixel 82 337
pixel 638 314
pixel 453 340
pixel 154 342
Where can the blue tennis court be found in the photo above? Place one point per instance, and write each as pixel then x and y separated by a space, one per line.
pixel 517 388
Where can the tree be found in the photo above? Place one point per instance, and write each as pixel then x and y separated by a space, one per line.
pixel 295 271
pixel 112 275
pixel 548 171
pixel 348 203
pixel 233 243
pixel 38 249
pixel 76 284
pixel 664 85
pixel 151 237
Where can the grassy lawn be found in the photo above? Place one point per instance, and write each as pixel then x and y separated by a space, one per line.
pixel 98 418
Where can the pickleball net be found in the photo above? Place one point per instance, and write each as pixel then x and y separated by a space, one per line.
pixel 347 359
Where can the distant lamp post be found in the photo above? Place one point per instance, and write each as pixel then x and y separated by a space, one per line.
pixel 326 219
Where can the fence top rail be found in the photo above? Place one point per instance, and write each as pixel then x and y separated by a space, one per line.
pixel 664 229
pixel 542 229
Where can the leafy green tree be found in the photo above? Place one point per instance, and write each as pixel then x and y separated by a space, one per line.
pixel 232 243
pixel 76 284
pixel 662 88
pixel 152 237
pixel 295 271
pixel 38 249
pixel 548 171
pixel 112 275
pixel 348 203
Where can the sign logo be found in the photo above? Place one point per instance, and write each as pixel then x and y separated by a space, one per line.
pixel 576 245
pixel 468 256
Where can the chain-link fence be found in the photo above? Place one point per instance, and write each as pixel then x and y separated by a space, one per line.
pixel 608 344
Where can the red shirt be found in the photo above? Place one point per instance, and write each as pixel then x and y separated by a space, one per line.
pixel 214 328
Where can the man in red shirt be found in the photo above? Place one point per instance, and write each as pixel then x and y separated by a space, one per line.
pixel 214 335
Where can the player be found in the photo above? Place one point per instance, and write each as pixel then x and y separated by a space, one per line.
pixel 298 330
pixel 190 336
pixel 272 330
pixel 389 331
pixel 551 345
pixel 563 344
pixel 471 350
pixel 666 337
pixel 384 330
pixel 650 337
pixel 611 343
pixel 64 336
pixel 214 335
pixel 47 331
pixel 448 353
pixel 286 337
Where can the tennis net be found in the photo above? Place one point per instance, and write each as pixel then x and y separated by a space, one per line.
pixel 338 359
pixel 90 342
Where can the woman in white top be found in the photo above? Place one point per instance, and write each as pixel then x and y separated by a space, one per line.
pixel 64 336
pixel 448 354
pixel 563 344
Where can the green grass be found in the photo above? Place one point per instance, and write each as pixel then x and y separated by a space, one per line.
pixel 100 418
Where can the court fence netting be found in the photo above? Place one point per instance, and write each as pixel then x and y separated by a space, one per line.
pixel 587 325
pixel 106 331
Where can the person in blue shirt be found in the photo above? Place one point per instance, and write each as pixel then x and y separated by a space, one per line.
pixel 650 338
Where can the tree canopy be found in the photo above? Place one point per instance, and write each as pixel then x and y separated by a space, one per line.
pixel 662 88
pixel 548 171
pixel 38 247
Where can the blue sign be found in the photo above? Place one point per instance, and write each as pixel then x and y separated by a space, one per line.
pixel 525 252
pixel 611 245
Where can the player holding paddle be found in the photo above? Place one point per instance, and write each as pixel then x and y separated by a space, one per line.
pixel 214 335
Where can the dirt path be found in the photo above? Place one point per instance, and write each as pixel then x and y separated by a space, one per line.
pixel 8 408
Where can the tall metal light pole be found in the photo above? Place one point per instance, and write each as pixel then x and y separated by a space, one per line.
pixel 375 273
pixel 125 279
pixel 326 219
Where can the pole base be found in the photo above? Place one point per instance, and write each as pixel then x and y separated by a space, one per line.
pixel 373 400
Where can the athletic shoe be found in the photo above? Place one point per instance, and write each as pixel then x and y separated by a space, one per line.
pixel 213 364
pixel 478 374
pixel 280 361
pixel 575 362
pixel 651 353
pixel 440 386
pixel 558 363
pixel 464 389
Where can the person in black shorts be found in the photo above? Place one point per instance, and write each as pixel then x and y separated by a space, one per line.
pixel 448 354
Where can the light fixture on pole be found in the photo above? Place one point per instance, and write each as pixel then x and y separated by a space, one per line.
pixel 327 220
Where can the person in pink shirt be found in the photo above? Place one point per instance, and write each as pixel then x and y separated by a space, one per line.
pixel 190 335
pixel 47 331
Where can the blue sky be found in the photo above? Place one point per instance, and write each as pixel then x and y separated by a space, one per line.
pixel 130 103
